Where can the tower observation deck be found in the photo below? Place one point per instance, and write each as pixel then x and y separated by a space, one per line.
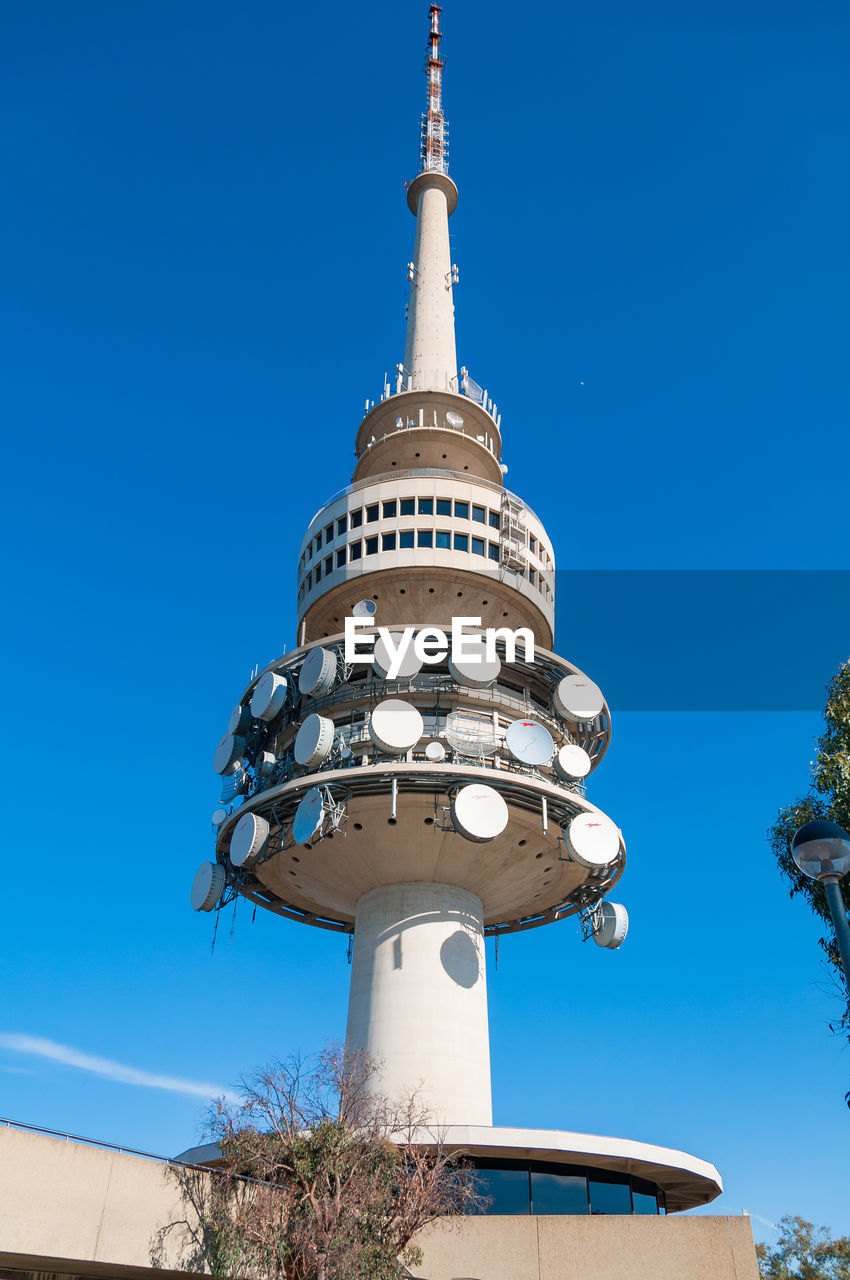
pixel 424 804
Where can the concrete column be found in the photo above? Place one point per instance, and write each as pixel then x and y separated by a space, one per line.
pixel 429 352
pixel 418 999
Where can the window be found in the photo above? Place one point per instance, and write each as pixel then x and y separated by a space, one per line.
pixel 309 580
pixel 319 541
pixel 388 541
pixel 342 525
pixel 340 558
pixel 461 542
pixel 444 506
pixel 406 539
pixel 532 544
pixel 389 509
pixel 354 551
pixel 426 506
pixel 318 572
pixel 462 510
pixel 444 539
pixel 608 1197
pixel 408 506
pixel 479 514
pixel 329 564
pixel 506 1186
pixel 329 533
pixel 356 519
pixel 644 1198
pixel 478 547
pixel 371 515
pixel 532 576
pixel 371 546
pixel 558 1193
pixel 310 552
pixel 495 520
pixel 493 551
pixel 425 538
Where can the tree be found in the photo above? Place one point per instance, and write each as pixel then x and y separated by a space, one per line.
pixel 804 1252
pixel 321 1178
pixel 828 797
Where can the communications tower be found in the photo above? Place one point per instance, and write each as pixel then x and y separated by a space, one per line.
pixel 425 807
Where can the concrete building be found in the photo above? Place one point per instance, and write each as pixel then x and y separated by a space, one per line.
pixel 418 804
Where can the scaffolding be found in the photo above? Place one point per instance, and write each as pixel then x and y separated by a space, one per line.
pixel 513 535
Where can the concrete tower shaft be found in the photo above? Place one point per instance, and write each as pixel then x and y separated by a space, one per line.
pixel 430 358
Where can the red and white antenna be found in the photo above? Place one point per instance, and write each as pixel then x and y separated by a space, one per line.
pixel 435 129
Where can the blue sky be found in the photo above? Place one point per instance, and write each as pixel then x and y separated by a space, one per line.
pixel 206 240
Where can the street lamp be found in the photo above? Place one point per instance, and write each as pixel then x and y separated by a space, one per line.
pixel 822 851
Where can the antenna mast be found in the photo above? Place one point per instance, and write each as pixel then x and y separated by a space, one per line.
pixel 435 129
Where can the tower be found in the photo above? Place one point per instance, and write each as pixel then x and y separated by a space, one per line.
pixel 432 793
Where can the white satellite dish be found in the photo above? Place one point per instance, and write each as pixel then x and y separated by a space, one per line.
pixel 249 840
pixel 395 726
pixel 219 817
pixel 228 753
pixel 454 419
pixel 265 763
pixel 578 699
pixel 207 886
pixel 479 812
pixel 529 742
pixel 314 740
pixel 592 840
pixel 308 816
pixel 240 718
pixel 475 672
pixel 471 733
pixel 435 751
pixel 382 661
pixel 318 672
pixel 610 925
pixel 364 609
pixel 571 762
pixel 269 695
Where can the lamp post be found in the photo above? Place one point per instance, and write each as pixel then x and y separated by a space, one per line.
pixel 822 851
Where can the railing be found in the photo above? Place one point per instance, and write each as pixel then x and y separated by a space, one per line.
pixel 438 380
pixel 92 1142
pixel 417 473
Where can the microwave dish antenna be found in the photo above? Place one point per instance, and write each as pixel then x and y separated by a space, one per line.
pixel 249 840
pixel 592 840
pixel 308 816
pixel 314 740
pixel 476 672
pixel 610 924
pixel 572 763
pixel 318 672
pixel 207 887
pixel 578 699
pixel 395 726
pixel 382 661
pixel 228 754
pixel 529 742
pixel 364 609
pixel 270 694
pixel 479 813
pixel 240 719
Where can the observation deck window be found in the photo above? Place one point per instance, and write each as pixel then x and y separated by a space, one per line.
pixel 462 510
pixel 559 1193
pixel 425 538
pixel 493 551
pixel 544 1187
pixel 479 514
pixel 329 533
pixel 443 538
pixel 329 564
pixel 426 506
pixel 309 579
pixel 388 542
pixel 444 506
pixel 340 558
pixel 405 539
pixel 389 509
pixel 355 550
pixel 318 573
pixel 408 506
pixel 478 547
pixel 495 520
pixel 341 525
pixel 532 544
pixel 319 540
pixel 371 546
pixel 461 542
pixel 609 1197
pixel 356 518
pixel 310 551
pixel 372 514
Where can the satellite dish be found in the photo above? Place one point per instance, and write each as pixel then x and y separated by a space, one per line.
pixel 314 740
pixel 479 813
pixel 318 672
pixel 592 840
pixel 435 751
pixel 233 784
pixel 249 840
pixel 207 886
pixel 228 753
pixel 265 763
pixel 454 420
pixel 364 609
pixel 308 816
pixel 572 762
pixel 610 925
pixel 382 661
pixel 240 718
pixel 471 733
pixel 475 672
pixel 219 817
pixel 578 699
pixel 269 695
pixel 529 742
pixel 395 726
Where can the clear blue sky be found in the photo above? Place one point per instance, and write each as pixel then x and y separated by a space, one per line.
pixel 206 238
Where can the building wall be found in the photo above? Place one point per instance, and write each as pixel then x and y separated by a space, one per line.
pixel 69 1208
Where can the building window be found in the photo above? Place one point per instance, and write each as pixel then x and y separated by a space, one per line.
pixel 493 551
pixel 371 546
pixel 389 510
pixel 425 538
pixel 478 548
pixel 309 580
pixel 532 577
pixel 388 541
pixel 342 525
pixel 532 544
pixel 406 539
pixel 479 514
pixel 444 539
pixel 354 551
pixel 371 515
pixel 444 506
pixel 329 533
pixel 608 1197
pixel 426 506
pixel 356 518
pixel 319 541
pixel 495 520
pixel 461 542
pixel 558 1193
pixel 310 552
pixel 462 510
pixel 340 558
pixel 318 572
pixel 408 506
pixel 329 564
